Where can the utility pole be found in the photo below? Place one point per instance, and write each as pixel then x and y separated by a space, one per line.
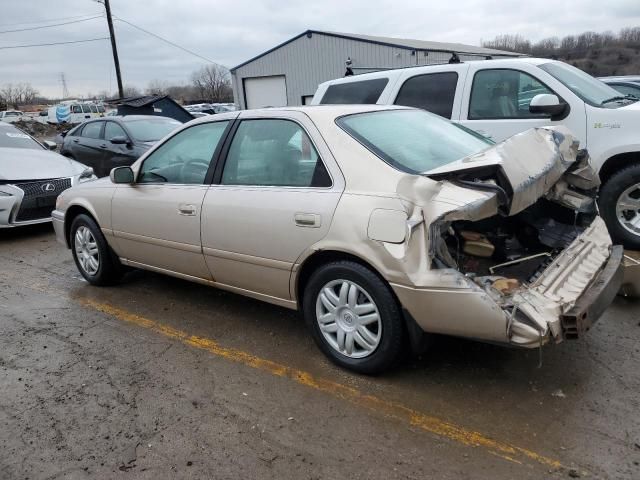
pixel 113 47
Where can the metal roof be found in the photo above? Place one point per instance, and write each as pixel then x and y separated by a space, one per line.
pixel 139 101
pixel 404 43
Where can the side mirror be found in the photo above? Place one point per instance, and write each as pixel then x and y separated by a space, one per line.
pixel 50 145
pixel 121 175
pixel 120 140
pixel 549 104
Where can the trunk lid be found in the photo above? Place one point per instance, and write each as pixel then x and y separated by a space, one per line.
pixel 525 167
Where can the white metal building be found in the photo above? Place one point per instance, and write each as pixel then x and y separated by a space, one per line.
pixel 289 73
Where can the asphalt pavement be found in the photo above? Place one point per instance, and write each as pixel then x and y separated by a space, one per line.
pixel 160 378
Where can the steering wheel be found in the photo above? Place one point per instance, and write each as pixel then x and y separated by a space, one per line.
pixel 194 169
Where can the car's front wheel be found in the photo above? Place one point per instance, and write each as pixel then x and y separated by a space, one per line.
pixel 94 259
pixel 620 206
pixel 354 317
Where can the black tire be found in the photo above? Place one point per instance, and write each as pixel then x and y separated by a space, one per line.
pixel 110 270
pixel 609 194
pixel 392 338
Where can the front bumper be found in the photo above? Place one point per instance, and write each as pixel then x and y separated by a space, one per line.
pixel 57 218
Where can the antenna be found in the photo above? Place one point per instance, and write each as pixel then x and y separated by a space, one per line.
pixel 65 90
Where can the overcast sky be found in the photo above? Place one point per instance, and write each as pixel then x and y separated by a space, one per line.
pixel 230 32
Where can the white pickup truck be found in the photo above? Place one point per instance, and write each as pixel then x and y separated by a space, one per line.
pixel 499 98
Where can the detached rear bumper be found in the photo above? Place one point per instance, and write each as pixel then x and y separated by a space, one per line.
pixel 595 300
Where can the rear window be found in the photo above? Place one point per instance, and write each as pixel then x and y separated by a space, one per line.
pixel 363 92
pixel 433 92
pixel 413 141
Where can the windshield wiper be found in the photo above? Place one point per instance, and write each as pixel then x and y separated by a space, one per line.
pixel 619 98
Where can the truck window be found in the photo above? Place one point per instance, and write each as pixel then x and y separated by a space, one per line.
pixel 86 108
pixel 433 92
pixel 501 94
pixel 363 92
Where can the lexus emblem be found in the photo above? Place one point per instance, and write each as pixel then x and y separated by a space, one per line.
pixel 48 187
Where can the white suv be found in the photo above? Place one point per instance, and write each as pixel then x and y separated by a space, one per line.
pixel 500 98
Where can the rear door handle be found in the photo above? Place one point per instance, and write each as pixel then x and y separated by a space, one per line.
pixel 186 209
pixel 104 145
pixel 75 140
pixel 312 220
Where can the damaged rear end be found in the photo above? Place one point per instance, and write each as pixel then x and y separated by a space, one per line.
pixel 518 224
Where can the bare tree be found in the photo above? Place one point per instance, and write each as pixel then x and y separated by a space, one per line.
pixel 18 94
pixel 157 87
pixel 131 91
pixel 212 83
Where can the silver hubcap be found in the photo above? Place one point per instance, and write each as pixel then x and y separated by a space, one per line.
pixel 348 318
pixel 87 250
pixel 628 209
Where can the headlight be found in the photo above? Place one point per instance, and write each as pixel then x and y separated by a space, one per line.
pixel 87 174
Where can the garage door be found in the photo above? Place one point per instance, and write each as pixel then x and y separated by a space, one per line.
pixel 265 92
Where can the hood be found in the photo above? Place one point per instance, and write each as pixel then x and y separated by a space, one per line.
pixel 35 164
pixel 519 170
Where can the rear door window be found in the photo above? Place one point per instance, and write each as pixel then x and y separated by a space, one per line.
pixel 86 108
pixel 92 130
pixel 273 152
pixel 363 92
pixel 433 92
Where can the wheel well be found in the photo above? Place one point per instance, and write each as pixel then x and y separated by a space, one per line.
pixel 323 257
pixel 71 213
pixel 617 162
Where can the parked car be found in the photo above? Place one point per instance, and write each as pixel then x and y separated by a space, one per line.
pixel 31 177
pixel 625 85
pixel 494 98
pixel 115 141
pixel 10 116
pixel 378 223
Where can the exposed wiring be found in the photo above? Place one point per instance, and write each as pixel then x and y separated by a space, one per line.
pixel 14 24
pixel 166 41
pixel 54 43
pixel 49 26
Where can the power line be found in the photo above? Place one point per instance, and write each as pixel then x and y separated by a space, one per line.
pixel 167 41
pixel 14 24
pixel 55 43
pixel 49 26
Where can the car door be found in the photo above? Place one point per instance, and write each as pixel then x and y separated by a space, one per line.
pixel 116 154
pixel 156 220
pixel 496 102
pixel 85 146
pixel 273 197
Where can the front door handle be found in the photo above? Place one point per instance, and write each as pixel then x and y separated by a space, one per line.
pixel 312 220
pixel 186 209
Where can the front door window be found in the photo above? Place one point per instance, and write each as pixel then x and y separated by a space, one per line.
pixel 184 158
pixel 504 94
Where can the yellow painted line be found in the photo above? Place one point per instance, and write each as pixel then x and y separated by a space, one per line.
pixel 391 409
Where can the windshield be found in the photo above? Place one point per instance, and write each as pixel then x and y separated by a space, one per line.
pixel 151 129
pixel 14 138
pixel 592 91
pixel 413 141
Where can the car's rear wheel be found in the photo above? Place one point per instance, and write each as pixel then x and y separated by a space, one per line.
pixel 354 317
pixel 92 254
pixel 620 206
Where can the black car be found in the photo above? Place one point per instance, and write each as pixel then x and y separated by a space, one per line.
pixel 115 141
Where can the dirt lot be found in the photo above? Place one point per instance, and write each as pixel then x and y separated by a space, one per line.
pixel 160 378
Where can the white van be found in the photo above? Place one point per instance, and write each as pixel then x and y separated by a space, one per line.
pixel 74 113
pixel 499 98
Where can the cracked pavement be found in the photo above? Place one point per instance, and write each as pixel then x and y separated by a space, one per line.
pixel 84 394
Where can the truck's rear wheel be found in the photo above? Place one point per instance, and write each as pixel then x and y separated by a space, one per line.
pixel 620 206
